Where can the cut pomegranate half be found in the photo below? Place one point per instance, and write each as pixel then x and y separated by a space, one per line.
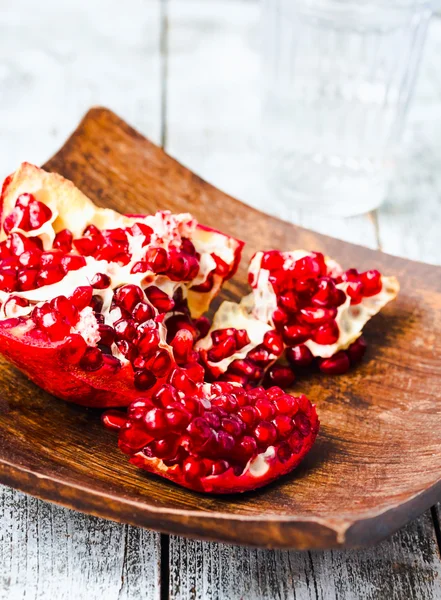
pixel 302 302
pixel 216 438
pixel 86 292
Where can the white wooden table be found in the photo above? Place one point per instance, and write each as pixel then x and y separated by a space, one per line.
pixel 184 72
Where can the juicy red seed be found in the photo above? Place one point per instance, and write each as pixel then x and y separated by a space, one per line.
pixel 325 294
pixel 92 360
pixel 82 296
pixel 72 262
pixel 160 363
pixel 39 213
pixel 327 334
pixel 51 258
pixel 179 267
pixel 219 467
pixel 143 312
pixel 128 296
pixel 63 240
pixel 18 243
pixel 28 214
pixel 265 434
pixel 155 420
pixel 136 410
pixel 73 348
pixel 27 279
pixel 206 286
pixel 284 452
pixel 107 334
pixel 273 341
pixel 246 448
pixel 371 281
pixel 295 334
pixel 355 291
pixel 182 345
pixel 160 300
pixel 180 380
pixel 14 301
pixel 349 275
pixel 280 318
pixel 66 308
pixel 54 325
pixel 284 426
pixel 248 414
pixel 299 356
pixel 203 326
pixel 195 371
pixel 220 335
pixel 50 275
pixel 126 330
pixel 272 260
pixel 100 281
pixel 92 231
pixel 242 338
pixel 264 408
pixel 303 424
pixel 148 342
pixel 157 260
pixel 288 301
pixel 259 355
pixel 127 349
pixel 111 363
pixel 114 419
pixel 193 468
pixel 139 267
pixel 222 350
pixel 310 266
pixel 335 365
pixel 357 350
pixel 142 229
pixel 86 246
pixel 317 316
pixel 286 405
pixel 281 376
pixel 167 396
pixel 30 258
pixel 177 420
pixel 144 380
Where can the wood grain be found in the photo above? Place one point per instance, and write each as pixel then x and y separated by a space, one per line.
pixel 348 491
pixel 57 553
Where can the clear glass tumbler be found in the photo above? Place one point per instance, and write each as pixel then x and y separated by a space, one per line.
pixel 338 76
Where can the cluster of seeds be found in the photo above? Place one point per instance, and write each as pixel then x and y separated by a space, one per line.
pixel 227 430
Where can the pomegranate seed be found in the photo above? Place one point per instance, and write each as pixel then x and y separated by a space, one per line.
pixel 284 452
pixel 286 405
pixel 280 376
pixel 248 414
pixel 155 420
pixel 177 420
pixel 30 258
pixel 273 341
pixel 272 260
pixel 335 365
pixel 144 380
pixel 264 408
pixel 220 335
pixel 107 334
pixel 284 426
pixel 73 348
pixel 54 325
pixel 288 301
pixel 148 342
pixel 222 350
pixel 140 267
pixel 82 296
pixel 179 267
pixel 127 349
pixel 242 338
pixel 327 334
pixel 325 294
pixel 206 286
pixel 180 380
pixel 349 275
pixel 157 260
pixel 72 262
pixel 126 330
pixel 92 359
pixel 203 326
pixel 18 243
pixel 242 367
pixel 8 280
pixel 50 275
pixel 182 345
pixel 143 312
pixel 114 419
pixel 160 363
pixel 259 355
pixel 27 279
pixel 355 291
pixel 317 316
pixel 86 246
pixel 27 214
pixel 142 229
pixel 160 300
pixel 65 307
pixel 280 318
pixel 128 296
pixel 295 334
pixel 357 350
pixel 193 468
pixel 12 302
pixel 371 281
pixel 63 240
pixel 299 356
pixel 167 396
pixel 100 281
pixel 50 259
pixel 265 434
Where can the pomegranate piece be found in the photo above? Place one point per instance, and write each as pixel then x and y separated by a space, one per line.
pixel 214 440
pixel 96 289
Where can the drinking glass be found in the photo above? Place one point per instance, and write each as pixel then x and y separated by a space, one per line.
pixel 338 76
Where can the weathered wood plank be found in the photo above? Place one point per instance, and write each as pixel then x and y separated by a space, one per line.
pixel 50 552
pixel 405 567
pixel 56 60
pixel 213 129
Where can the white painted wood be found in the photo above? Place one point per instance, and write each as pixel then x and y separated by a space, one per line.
pixel 406 567
pixel 57 59
pixel 48 552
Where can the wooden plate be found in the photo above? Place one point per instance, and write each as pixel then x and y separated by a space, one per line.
pixel 377 461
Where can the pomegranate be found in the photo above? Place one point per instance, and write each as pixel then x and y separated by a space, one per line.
pixel 86 293
pixel 303 303
pixel 216 438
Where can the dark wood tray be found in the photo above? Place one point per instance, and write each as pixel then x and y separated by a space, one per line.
pixel 377 461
